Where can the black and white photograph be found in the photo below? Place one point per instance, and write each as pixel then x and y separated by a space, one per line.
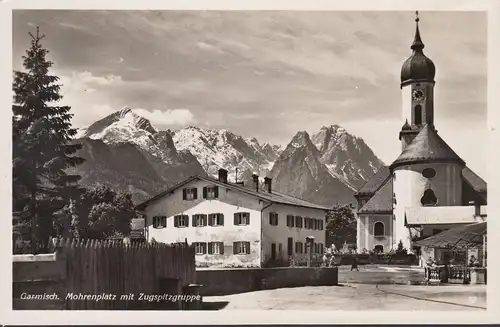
pixel 223 160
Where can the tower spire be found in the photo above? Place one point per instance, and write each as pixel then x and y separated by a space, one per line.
pixel 417 45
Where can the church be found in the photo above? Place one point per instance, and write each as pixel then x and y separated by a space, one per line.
pixel 428 188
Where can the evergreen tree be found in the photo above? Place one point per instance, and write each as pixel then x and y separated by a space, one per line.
pixel 42 148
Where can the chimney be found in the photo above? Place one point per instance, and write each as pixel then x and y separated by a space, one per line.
pixel 222 175
pixel 268 183
pixel 255 179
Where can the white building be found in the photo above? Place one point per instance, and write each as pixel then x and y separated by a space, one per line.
pixel 232 225
pixel 428 188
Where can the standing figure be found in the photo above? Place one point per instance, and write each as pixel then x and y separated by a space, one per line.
pixel 354 263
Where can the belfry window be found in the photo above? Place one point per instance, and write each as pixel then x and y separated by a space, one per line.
pixel 429 198
pixel 418 114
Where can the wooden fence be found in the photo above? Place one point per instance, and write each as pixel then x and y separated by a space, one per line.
pixel 110 275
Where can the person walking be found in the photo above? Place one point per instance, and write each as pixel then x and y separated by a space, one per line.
pixel 354 263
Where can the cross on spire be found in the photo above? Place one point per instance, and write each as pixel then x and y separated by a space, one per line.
pixel 416 16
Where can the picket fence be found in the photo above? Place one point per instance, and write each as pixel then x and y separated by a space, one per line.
pixel 120 272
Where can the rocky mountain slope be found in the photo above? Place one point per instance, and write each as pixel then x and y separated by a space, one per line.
pixel 124 151
pixel 299 172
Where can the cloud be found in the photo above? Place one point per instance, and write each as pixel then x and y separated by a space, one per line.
pixel 170 117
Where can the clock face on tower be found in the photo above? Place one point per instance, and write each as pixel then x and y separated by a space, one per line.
pixel 418 95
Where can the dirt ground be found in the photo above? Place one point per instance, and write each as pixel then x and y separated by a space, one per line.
pixel 356 297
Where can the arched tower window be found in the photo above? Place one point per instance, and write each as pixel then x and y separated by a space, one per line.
pixel 429 198
pixel 418 114
pixel 379 229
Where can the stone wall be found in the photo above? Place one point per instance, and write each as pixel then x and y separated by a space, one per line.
pixel 231 281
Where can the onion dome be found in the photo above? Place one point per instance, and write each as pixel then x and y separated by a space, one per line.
pixel 406 126
pixel 427 146
pixel 417 68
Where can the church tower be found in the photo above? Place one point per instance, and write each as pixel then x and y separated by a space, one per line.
pixel 417 85
pixel 427 172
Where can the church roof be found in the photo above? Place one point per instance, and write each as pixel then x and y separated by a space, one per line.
pixel 441 215
pixel 427 146
pixel 477 183
pixel 373 184
pixel 381 202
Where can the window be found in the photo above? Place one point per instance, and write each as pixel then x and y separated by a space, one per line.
pixel 242 218
pixel 307 222
pixel 159 221
pixel 199 220
pixel 299 247
pixel 190 194
pixel 181 221
pixel 273 219
pixel 298 221
pixel 429 173
pixel 200 247
pixel 315 223
pixel 216 219
pixel 379 229
pixel 216 248
pixel 378 249
pixel 290 220
pixel 241 248
pixel 210 192
pixel 418 114
pixel 429 198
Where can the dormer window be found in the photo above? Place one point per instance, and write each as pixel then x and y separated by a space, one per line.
pixel 210 192
pixel 190 194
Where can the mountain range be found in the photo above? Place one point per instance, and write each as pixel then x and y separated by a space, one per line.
pixel 124 151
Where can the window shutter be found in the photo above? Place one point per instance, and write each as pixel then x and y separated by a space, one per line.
pixel 194 220
pixel 247 214
pixel 276 219
pixel 195 194
pixel 221 247
pixel 216 192
pixel 154 222
pixel 186 220
pixel 184 194
pixel 176 221
pixel 210 248
pixel 235 247
pixel 221 215
pixel 204 192
pixel 204 247
pixel 292 222
pixel 236 218
pixel 296 247
pixel 204 220
pixel 164 221
pixel 247 246
pixel 271 219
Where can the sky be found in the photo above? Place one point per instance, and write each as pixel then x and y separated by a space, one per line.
pixel 267 74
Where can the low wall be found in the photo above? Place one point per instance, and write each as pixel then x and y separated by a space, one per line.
pixel 231 281
pixel 365 259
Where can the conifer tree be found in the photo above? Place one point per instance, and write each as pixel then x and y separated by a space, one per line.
pixel 42 147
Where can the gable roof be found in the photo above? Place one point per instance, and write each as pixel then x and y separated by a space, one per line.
pixel 427 146
pixel 440 215
pixel 381 202
pixel 374 183
pixel 275 197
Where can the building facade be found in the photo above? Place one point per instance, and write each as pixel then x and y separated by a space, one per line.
pixel 233 225
pixel 428 188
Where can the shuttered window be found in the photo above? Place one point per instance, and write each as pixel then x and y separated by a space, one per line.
pixel 211 192
pixel 199 220
pixel 215 248
pixel 200 247
pixel 241 248
pixel 242 218
pixel 216 219
pixel 290 220
pixel 159 221
pixel 181 221
pixel 298 222
pixel 190 194
pixel 273 219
